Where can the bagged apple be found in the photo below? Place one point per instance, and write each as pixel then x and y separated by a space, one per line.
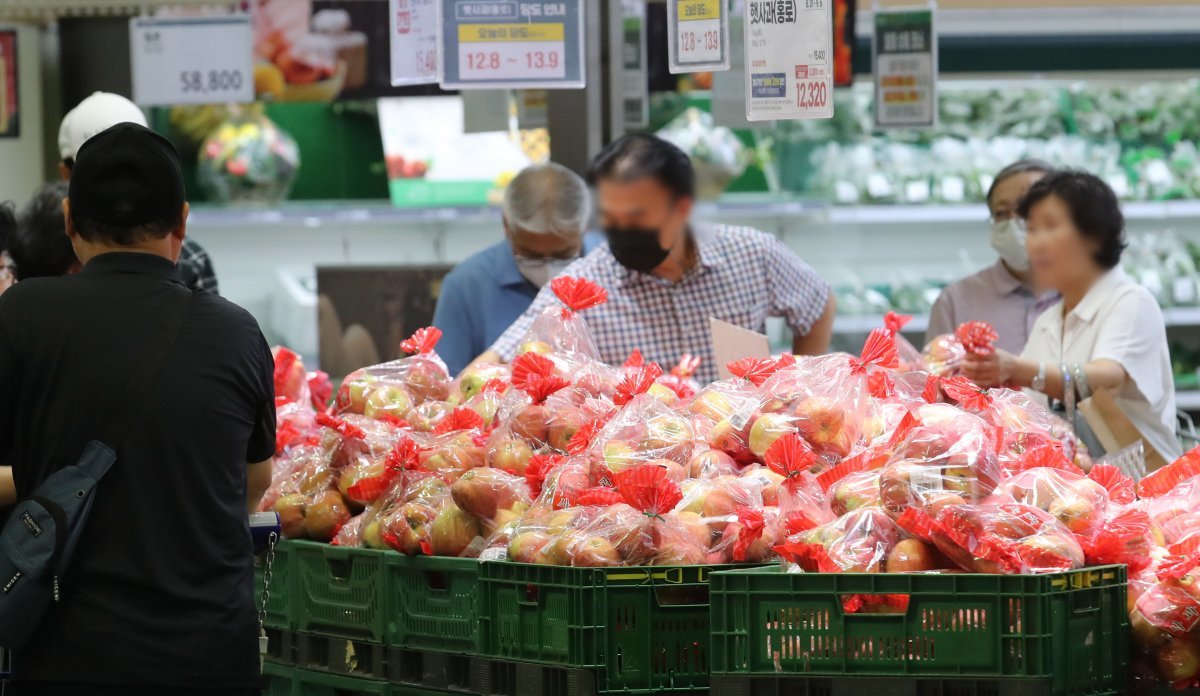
pixel 360 456
pixel 475 378
pixel 909 357
pixel 945 353
pixel 291 380
pixel 561 330
pixel 1164 620
pixel 452 453
pixel 390 390
pixel 491 496
pixel 801 501
pixel 943 456
pixel 406 522
pixel 644 431
pixel 827 400
pixel 722 414
pixel 998 536
pixel 858 542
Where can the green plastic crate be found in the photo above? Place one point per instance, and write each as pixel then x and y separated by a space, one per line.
pixel 637 629
pixel 279 613
pixel 433 603
pixel 338 591
pixel 1067 632
pixel 277 679
pixel 312 683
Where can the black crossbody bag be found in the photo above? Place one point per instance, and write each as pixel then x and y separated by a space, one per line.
pixel 40 536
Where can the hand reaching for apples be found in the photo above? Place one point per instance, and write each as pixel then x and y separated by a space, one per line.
pixel 992 370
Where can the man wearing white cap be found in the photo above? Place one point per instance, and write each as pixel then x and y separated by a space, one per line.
pixel 97 113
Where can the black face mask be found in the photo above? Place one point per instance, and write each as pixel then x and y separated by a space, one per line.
pixel 636 248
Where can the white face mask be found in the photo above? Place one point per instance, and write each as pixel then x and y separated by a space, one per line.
pixel 541 271
pixel 1008 239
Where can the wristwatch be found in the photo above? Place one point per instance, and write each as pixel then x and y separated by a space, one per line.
pixel 1038 383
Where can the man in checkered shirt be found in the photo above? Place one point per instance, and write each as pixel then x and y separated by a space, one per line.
pixel 665 276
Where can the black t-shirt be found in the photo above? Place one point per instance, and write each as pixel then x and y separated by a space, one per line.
pixel 160 590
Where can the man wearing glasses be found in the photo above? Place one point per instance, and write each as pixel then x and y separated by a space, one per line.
pixel 1001 294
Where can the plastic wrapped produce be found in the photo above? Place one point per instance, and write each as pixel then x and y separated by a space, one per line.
pixel 716 153
pixel 943 456
pixel 248 159
pixel 999 536
pixel 857 542
pixel 390 390
pixel 563 332
pixel 945 353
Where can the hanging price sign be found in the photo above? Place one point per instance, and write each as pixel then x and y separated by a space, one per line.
pixel 697 35
pixel 789 59
pixel 485 44
pixel 414 42
pixel 192 60
pixel 904 50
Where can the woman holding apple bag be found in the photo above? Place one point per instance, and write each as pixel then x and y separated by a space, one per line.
pixel 1108 333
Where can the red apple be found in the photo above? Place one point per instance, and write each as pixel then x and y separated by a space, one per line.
pixel 768 428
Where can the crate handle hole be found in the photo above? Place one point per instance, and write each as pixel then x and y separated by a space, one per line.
pixel 681 595
pixel 339 568
pixel 436 580
pixel 877 605
pixel 530 596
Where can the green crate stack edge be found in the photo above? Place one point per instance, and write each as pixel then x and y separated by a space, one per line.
pixel 604 630
pixel 285 680
pixel 1058 634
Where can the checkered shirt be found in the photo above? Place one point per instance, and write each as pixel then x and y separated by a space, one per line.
pixel 195 268
pixel 743 277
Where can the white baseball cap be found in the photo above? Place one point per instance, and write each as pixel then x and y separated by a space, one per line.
pixel 99 112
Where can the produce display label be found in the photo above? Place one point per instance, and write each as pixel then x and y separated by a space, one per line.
pixel 697 35
pixel 905 68
pixel 485 44
pixel 789 59
pixel 414 42
pixel 192 60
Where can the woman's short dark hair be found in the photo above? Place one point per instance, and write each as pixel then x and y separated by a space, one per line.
pixel 637 155
pixel 1093 208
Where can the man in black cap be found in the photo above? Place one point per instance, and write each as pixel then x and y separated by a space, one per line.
pixel 158 598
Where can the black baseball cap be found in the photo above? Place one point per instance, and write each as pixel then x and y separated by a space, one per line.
pixel 128 176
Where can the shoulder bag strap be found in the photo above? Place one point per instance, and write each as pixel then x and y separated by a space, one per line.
pixel 145 373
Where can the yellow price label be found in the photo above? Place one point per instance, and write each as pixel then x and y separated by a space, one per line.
pixel 503 33
pixel 691 10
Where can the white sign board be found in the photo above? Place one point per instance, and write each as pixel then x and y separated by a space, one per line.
pixel 635 84
pixel 413 42
pixel 904 50
pixel 697 35
pixel 789 59
pixel 731 342
pixel 192 60
pixel 485 44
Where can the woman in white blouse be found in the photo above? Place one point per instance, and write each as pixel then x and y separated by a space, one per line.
pixel 1108 332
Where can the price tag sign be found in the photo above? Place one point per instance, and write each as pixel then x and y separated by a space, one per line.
pixel 904 47
pixel 414 42
pixel 789 59
pixel 192 60
pixel 697 35
pixel 485 44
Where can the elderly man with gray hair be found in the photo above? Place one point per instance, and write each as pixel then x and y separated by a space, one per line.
pixel 546 211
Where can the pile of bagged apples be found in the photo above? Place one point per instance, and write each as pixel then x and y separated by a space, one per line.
pixel 837 463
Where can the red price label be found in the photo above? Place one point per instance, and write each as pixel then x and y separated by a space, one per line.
pixel 812 94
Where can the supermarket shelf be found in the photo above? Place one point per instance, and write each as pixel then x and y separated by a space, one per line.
pixel 1188 400
pixel 735 206
pixel 340 214
pixel 1173 316
pixel 976 213
pixel 864 323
